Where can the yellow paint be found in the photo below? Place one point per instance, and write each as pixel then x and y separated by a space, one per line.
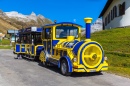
pixel 87 40
pixel 88 20
pixel 82 68
pixel 93 59
pixel 42 57
pixel 70 38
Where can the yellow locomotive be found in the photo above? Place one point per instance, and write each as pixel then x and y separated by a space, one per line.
pixel 63 47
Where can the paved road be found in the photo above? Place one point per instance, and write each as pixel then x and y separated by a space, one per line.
pixel 27 73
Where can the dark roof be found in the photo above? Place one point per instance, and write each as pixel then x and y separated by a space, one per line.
pixel 62 23
pixel 105 8
pixel 30 30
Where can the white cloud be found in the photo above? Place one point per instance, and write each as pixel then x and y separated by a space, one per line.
pixel 74 20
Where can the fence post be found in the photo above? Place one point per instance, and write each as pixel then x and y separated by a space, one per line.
pixel 0 40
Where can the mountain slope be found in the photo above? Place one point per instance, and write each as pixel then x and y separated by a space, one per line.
pixel 15 20
pixel 4 26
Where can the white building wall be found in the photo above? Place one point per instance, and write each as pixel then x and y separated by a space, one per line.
pixel 118 21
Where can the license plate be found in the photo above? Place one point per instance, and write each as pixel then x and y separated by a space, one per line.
pixel 92 70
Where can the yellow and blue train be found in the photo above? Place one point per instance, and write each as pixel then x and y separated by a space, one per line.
pixel 29 43
pixel 62 46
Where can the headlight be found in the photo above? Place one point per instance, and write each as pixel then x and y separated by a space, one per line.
pixel 105 58
pixel 74 59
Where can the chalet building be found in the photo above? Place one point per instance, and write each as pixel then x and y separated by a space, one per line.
pixel 12 34
pixel 2 35
pixel 116 13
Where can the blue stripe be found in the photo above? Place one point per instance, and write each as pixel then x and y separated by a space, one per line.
pixel 54 42
pixel 38 50
pixel 63 23
pixel 22 48
pixel 32 49
pixel 76 47
pixel 39 29
pixel 88 30
pixel 69 63
pixel 17 48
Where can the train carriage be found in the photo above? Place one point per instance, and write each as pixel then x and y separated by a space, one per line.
pixel 63 47
pixel 29 44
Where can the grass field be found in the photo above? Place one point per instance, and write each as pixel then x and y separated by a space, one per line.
pixel 5 47
pixel 5 44
pixel 116 43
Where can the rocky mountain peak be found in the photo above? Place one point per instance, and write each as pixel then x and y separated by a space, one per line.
pixel 97 25
pixel 16 20
pixel 41 16
pixel 2 13
pixel 32 14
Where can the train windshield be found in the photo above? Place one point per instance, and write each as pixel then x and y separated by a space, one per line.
pixel 64 31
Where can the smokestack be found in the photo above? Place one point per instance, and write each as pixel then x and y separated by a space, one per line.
pixel 88 27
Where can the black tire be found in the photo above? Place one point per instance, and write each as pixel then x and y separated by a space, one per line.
pixel 43 64
pixel 64 68
pixel 36 58
pixel 23 56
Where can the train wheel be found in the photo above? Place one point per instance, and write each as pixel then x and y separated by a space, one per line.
pixel 43 59
pixel 64 68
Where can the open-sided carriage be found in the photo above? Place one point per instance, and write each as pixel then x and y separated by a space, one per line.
pixel 29 43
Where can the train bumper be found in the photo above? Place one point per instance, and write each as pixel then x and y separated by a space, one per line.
pixel 82 68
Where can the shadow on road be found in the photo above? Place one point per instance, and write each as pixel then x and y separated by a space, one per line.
pixel 57 70
pixel 76 74
pixel 86 74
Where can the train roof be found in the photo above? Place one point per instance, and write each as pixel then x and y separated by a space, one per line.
pixel 30 30
pixel 62 23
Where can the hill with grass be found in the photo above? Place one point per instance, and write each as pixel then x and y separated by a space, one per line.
pixel 15 20
pixel 116 43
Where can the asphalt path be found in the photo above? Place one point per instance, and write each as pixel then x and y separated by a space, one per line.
pixel 22 72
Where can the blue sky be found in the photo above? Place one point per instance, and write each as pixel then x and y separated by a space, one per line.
pixel 60 10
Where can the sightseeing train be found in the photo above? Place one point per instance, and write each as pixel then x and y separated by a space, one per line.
pixel 28 43
pixel 62 46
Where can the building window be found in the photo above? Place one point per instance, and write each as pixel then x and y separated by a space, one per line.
pixel 106 21
pixel 109 18
pixel 115 11
pixel 111 15
pixel 122 9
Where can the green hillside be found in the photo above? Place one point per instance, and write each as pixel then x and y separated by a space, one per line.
pixel 116 43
